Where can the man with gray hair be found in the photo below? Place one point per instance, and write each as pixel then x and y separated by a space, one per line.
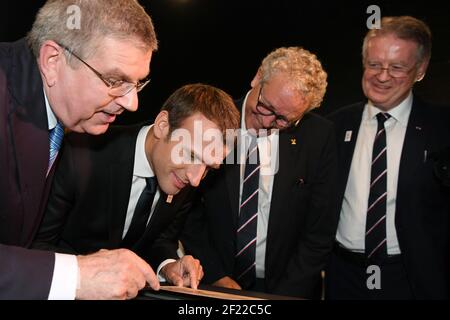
pixel 392 240
pixel 81 66
pixel 271 230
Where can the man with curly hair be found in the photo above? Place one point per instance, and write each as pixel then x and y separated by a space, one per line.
pixel 271 228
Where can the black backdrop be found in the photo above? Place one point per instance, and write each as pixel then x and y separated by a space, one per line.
pixel 222 43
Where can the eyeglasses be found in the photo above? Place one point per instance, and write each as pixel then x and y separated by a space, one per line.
pixel 265 110
pixel 117 88
pixel 395 71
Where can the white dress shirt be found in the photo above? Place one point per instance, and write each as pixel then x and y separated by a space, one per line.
pixel 266 178
pixel 352 224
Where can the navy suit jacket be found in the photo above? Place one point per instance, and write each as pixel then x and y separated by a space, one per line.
pixel 24 154
pixel 302 223
pixel 422 212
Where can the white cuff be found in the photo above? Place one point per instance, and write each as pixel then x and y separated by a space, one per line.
pixel 160 277
pixel 65 278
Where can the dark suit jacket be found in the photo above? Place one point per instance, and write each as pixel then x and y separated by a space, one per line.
pixel 24 154
pixel 302 224
pixel 88 201
pixel 423 203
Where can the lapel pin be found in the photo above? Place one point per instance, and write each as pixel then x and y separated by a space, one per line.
pixel 169 198
pixel 293 141
pixel 348 136
pixel 418 128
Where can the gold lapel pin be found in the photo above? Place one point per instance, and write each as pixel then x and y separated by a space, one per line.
pixel 293 141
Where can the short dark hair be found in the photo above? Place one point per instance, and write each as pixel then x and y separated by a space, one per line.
pixel 406 28
pixel 215 104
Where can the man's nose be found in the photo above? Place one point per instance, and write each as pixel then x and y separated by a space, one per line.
pixel 128 101
pixel 269 121
pixel 196 174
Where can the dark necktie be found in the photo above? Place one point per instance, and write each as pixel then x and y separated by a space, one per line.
pixel 245 265
pixel 375 241
pixel 55 139
pixel 141 213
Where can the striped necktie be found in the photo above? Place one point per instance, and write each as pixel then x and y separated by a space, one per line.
pixel 375 240
pixel 245 263
pixel 56 137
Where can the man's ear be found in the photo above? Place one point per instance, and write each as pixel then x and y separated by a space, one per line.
pixel 421 70
pixel 50 57
pixel 257 79
pixel 161 126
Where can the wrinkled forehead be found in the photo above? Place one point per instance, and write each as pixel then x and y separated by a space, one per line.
pixel 125 55
pixel 391 44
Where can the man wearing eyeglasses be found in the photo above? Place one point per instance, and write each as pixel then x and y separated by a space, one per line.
pixel 392 240
pixel 134 188
pixel 274 238
pixel 77 77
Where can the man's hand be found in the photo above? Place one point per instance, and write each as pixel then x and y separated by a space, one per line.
pixel 113 274
pixel 227 282
pixel 185 272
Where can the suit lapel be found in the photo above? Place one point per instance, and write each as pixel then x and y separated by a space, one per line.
pixel 290 146
pixel 120 174
pixel 232 169
pixel 232 177
pixel 412 157
pixel 162 209
pixel 30 133
pixel 163 213
pixel 347 136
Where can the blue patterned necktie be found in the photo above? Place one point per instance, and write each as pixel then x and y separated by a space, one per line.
pixel 246 233
pixel 56 137
pixel 375 240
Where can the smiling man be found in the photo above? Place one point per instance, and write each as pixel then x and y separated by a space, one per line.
pixel 78 78
pixel 96 198
pixel 394 209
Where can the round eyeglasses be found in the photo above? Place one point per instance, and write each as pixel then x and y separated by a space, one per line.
pixel 265 110
pixel 117 88
pixel 394 70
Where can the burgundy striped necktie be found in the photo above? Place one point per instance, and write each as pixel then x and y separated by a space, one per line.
pixel 375 240
pixel 245 265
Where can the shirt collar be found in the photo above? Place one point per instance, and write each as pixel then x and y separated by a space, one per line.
pixel 400 113
pixel 142 166
pixel 51 118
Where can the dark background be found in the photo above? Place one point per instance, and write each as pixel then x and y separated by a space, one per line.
pixel 223 42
